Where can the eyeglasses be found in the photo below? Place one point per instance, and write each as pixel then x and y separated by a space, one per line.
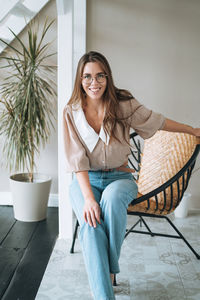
pixel 100 78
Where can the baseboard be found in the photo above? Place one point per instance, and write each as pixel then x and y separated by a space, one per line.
pixel 194 210
pixel 53 200
pixel 6 199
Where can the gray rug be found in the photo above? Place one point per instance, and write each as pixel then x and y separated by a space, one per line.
pixel 152 268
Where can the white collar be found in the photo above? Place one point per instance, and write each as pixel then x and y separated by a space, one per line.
pixel 87 133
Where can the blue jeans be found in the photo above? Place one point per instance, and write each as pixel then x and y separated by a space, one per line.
pixel 101 246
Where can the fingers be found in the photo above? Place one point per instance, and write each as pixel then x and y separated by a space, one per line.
pixel 98 217
pixel 92 216
pixel 93 220
pixel 90 219
pixel 85 216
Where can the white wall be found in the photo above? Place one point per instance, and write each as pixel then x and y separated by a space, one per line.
pixel 153 47
pixel 47 161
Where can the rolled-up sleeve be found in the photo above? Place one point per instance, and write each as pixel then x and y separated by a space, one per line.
pixel 75 154
pixel 143 120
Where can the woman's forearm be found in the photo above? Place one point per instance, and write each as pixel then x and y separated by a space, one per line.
pixel 91 210
pixel 174 126
pixel 83 180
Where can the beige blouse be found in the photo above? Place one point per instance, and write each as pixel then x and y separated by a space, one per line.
pixel 86 150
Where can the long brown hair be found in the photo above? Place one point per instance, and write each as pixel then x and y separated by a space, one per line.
pixel 112 95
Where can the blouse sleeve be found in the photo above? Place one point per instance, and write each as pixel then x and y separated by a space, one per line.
pixel 143 120
pixel 75 153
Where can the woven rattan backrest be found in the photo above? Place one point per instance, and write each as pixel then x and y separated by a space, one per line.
pixel 163 156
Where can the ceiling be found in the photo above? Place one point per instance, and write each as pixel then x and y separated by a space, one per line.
pixel 16 14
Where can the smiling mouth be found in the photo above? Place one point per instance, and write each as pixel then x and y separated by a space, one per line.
pixel 94 90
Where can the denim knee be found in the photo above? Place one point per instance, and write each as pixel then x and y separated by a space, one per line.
pixel 88 232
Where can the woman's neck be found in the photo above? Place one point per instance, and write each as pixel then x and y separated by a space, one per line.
pixel 96 106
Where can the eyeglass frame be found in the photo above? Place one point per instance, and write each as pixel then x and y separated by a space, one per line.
pixel 95 77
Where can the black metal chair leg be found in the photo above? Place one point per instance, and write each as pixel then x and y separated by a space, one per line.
pixel 147 227
pixel 114 281
pixel 140 221
pixel 74 237
pixel 182 237
pixel 179 236
pixel 130 230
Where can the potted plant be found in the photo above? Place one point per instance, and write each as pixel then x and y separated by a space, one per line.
pixel 26 103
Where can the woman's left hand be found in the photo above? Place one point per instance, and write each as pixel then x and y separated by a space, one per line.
pixel 196 132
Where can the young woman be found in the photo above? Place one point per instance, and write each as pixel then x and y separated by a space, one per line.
pixel 97 121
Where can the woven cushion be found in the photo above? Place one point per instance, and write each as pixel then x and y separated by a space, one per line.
pixel 163 156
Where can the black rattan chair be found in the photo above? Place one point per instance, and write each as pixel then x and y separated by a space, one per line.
pixel 162 200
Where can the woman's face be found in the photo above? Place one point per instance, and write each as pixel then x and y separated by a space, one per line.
pixel 94 81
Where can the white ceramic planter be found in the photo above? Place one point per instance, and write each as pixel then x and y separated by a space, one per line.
pixel 30 199
pixel 182 210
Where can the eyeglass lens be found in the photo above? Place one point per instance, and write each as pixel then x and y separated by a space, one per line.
pixel 100 78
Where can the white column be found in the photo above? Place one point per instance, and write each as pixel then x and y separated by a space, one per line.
pixel 79 30
pixel 71 45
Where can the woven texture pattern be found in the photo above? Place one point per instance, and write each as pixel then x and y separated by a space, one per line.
pixel 163 156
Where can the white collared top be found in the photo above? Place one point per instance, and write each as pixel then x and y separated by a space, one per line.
pixel 87 133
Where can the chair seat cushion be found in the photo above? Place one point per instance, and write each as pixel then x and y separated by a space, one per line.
pixel 153 208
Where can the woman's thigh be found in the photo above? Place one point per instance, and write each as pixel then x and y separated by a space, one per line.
pixel 121 190
pixel 77 199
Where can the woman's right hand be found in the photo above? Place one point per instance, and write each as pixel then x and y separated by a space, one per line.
pixel 92 212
